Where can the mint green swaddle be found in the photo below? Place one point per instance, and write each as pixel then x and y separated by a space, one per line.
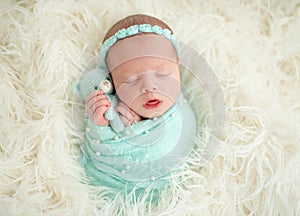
pixel 144 154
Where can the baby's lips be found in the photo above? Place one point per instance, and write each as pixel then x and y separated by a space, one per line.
pixel 152 104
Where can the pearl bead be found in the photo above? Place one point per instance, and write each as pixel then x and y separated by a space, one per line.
pixel 173 115
pixel 96 141
pixel 98 153
pixel 116 138
pixel 153 178
pixel 123 171
pixel 87 130
pixel 155 118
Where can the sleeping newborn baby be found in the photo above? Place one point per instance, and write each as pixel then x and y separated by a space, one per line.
pixel 139 128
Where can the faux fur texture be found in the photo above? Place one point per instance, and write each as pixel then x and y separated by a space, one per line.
pixel 254 49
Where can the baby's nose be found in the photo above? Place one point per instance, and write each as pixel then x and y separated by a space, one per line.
pixel 147 88
pixel 148 84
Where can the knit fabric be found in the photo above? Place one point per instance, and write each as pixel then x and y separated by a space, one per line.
pixel 144 155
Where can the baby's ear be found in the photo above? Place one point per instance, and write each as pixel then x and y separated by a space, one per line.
pixel 76 88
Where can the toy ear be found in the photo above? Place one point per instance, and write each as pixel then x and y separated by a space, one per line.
pixel 76 88
pixel 103 69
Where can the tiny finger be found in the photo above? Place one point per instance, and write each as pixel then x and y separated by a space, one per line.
pixel 93 94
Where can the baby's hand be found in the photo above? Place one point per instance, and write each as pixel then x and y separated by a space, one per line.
pixel 127 115
pixel 96 105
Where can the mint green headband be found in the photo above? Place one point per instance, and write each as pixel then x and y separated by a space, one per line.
pixel 133 30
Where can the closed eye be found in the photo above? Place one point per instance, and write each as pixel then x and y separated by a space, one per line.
pixel 163 73
pixel 131 80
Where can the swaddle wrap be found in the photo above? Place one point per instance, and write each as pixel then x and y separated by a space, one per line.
pixel 144 154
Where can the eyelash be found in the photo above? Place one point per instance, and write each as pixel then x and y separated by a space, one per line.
pixel 131 80
pixel 163 74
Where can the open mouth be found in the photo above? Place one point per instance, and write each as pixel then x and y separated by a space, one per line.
pixel 152 104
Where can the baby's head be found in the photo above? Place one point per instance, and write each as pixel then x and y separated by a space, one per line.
pixel 143 63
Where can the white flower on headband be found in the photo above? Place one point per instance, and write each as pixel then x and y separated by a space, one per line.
pixel 145 28
pixel 132 30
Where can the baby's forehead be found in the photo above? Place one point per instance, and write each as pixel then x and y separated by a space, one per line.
pixel 143 65
pixel 153 48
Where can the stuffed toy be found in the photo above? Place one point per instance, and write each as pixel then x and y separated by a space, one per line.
pixel 99 79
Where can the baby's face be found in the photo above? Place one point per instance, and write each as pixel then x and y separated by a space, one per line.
pixel 148 85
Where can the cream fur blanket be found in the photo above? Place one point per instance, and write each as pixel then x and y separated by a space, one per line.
pixel 254 49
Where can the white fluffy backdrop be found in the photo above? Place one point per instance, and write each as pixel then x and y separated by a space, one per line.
pixel 254 49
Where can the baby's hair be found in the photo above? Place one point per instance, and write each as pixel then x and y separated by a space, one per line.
pixel 136 19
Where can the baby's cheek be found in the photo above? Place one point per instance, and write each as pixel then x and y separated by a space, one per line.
pixel 127 94
pixel 170 88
